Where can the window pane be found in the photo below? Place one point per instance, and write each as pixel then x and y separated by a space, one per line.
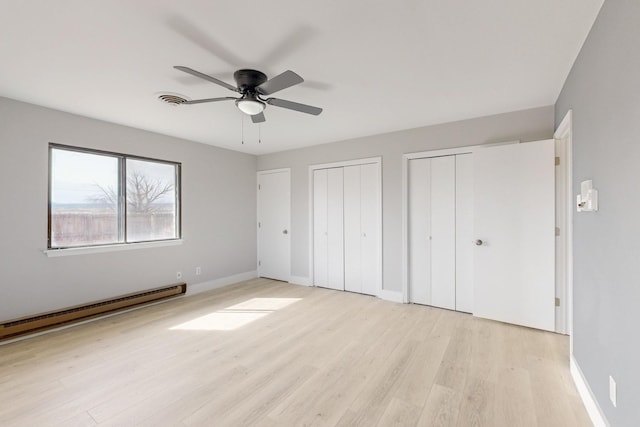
pixel 151 201
pixel 84 208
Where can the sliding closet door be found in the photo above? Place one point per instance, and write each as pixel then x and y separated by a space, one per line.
pixel 419 232
pixel 443 232
pixel 335 229
pixel 370 228
pixel 352 230
pixel 320 250
pixel 464 233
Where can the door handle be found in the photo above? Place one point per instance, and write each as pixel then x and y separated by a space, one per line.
pixel 285 232
pixel 478 242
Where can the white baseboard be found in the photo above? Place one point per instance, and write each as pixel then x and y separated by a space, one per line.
pixel 593 409
pixel 388 295
pixel 196 288
pixel 300 280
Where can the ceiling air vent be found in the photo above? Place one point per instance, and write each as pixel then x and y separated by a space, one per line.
pixel 173 99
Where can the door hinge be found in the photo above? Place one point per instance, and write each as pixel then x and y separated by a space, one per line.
pixel 260 187
pixel 259 224
pixel 557 302
pixel 557 161
pixel 259 263
pixel 557 231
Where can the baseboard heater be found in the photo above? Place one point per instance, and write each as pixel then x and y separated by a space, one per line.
pixel 52 319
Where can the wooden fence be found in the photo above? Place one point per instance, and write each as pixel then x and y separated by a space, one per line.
pixel 87 228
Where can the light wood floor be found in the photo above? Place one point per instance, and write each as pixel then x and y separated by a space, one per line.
pixel 326 358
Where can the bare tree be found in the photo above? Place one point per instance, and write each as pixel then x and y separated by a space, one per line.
pixel 142 192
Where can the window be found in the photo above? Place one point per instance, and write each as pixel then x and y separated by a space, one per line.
pixel 100 198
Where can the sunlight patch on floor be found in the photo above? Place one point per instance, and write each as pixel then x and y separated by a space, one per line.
pixel 236 316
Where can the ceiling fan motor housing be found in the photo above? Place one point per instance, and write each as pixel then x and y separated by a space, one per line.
pixel 247 80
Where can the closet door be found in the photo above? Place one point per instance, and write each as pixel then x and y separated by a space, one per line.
pixel 443 232
pixel 361 229
pixel 419 232
pixel 320 248
pixel 335 229
pixel 370 228
pixel 352 230
pixel 432 232
pixel 464 233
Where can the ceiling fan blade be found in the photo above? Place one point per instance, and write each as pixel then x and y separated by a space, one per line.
pixel 290 43
pixel 279 82
pixel 206 77
pixel 203 39
pixel 258 118
pixel 303 108
pixel 200 101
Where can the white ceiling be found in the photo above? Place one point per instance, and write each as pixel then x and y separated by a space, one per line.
pixel 374 66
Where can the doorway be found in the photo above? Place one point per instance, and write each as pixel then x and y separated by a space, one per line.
pixel 274 224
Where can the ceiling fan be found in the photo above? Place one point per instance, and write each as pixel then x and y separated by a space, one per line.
pixel 253 86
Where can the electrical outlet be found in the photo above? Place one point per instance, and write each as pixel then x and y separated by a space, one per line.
pixel 198 271
pixel 179 275
pixel 613 393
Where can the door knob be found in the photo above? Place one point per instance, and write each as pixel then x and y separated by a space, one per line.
pixel 478 242
pixel 285 232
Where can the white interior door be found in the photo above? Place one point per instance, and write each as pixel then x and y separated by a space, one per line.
pixel 419 231
pixel 347 229
pixel 464 232
pixel 352 230
pixel 514 219
pixel 274 201
pixel 443 232
pixel 370 228
pixel 335 229
pixel 432 231
pixel 320 245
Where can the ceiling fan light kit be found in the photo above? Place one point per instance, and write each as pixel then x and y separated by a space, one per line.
pixel 250 106
pixel 252 85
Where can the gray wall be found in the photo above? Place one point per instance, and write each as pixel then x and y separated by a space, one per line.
pixel 603 89
pixel 218 207
pixel 528 125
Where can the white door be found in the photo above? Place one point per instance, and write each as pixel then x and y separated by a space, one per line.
pixel 432 231
pixel 370 228
pixel 464 232
pixel 443 232
pixel 274 201
pixel 335 229
pixel 515 232
pixel 419 232
pixel 320 227
pixel 352 230
pixel 361 229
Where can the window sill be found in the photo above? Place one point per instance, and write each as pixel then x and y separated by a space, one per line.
pixel 110 248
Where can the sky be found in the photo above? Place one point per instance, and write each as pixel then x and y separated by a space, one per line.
pixel 77 176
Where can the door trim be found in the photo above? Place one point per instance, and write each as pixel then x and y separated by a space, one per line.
pixel 339 164
pixel 565 132
pixel 258 245
pixel 405 198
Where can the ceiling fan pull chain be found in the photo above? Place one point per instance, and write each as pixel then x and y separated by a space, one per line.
pixel 242 127
pixel 259 134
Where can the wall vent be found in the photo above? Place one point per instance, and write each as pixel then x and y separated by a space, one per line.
pixel 52 319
